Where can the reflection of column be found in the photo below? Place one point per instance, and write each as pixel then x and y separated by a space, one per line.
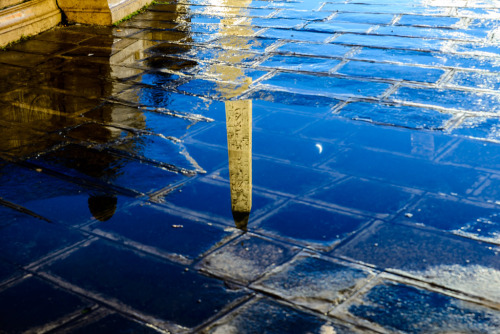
pixel 239 145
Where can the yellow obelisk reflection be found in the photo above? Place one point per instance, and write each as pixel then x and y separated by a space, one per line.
pixel 233 82
pixel 239 146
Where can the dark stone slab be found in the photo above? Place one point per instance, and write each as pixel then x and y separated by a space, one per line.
pixel 314 282
pixel 246 259
pixel 33 303
pixel 408 309
pixel 466 265
pixel 152 227
pixel 476 220
pixel 111 323
pixel 310 225
pixel 147 284
pixel 268 316
pixel 365 195
pixel 212 199
pixel 30 239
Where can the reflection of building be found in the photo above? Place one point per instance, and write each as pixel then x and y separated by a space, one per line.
pixel 238 113
pixel 45 113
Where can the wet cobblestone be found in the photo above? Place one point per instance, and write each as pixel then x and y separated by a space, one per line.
pixel 254 166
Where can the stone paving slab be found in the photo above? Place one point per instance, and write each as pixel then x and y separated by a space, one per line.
pixel 373 179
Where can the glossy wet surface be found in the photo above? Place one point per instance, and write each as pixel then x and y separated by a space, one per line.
pixel 254 167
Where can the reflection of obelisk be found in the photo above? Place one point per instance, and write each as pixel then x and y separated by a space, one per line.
pixel 238 112
pixel 239 145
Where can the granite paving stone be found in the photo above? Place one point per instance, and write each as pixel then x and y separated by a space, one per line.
pixel 247 258
pixel 463 218
pixel 364 195
pixel 179 238
pixel 268 316
pixel 423 311
pixel 32 304
pixel 109 323
pixel 182 297
pixel 313 226
pixel 314 282
pixel 454 262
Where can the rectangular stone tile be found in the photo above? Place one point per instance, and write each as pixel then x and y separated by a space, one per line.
pixel 334 26
pixel 326 50
pixel 32 305
pixel 402 308
pixel 57 199
pixel 157 149
pixel 9 271
pixel 470 219
pixel 476 80
pixel 300 63
pixel 310 225
pixel 106 323
pixel 449 98
pixel 369 18
pixel 392 42
pixel 465 152
pixel 490 190
pixel 428 21
pixel 487 49
pixel 246 259
pixel 226 72
pixel 214 89
pixel 192 106
pixel 314 282
pixel 50 101
pixel 217 55
pixel 148 227
pixel 302 152
pixel 330 85
pixel 95 133
pixel 103 166
pixel 277 23
pixel 405 7
pixel 166 48
pixel 368 196
pixel 29 60
pixel 428 58
pixel 29 239
pixel 405 116
pixel 211 200
pixel 479 128
pixel 249 43
pixel 282 122
pixel 42 47
pixel 269 316
pixel 283 177
pixel 64 36
pixel 303 15
pixel 295 35
pixel 264 101
pixel 418 144
pixel 404 171
pixel 391 71
pixel 207 157
pixel 457 263
pixel 425 32
pixel 157 288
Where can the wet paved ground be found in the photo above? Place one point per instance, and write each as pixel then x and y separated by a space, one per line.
pixel 363 168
